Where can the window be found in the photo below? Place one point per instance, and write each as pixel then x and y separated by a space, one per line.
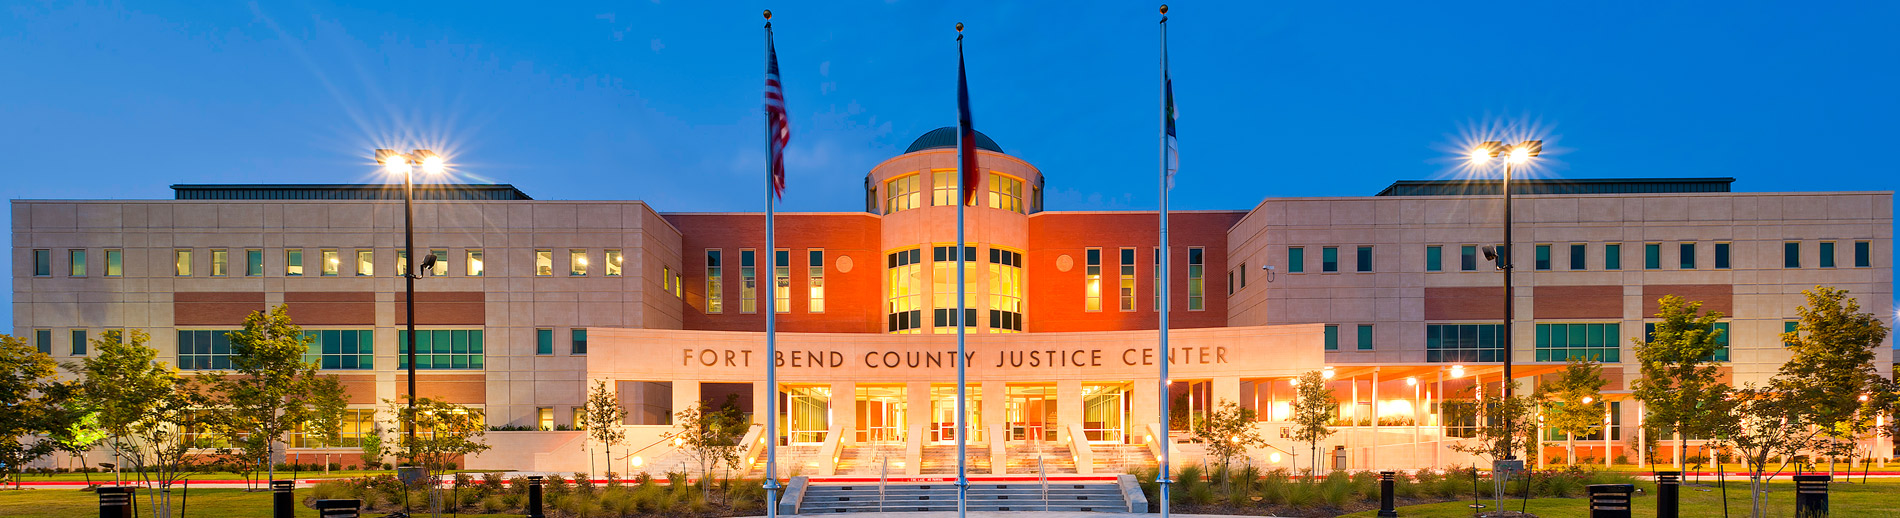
pixel 43 262
pixel 402 263
pixel 544 418
pixel 1092 281
pixel 1329 259
pixel 943 273
pixel 77 259
pixel 1295 259
pixel 902 193
pixel 1791 254
pixel 1790 330
pixel 616 263
pixel 79 342
pixel 441 266
pixel 1652 256
pixel 1543 257
pixel 1687 254
pixel 748 282
pixel 1563 342
pixel 715 288
pixel 333 349
pixel 1863 254
pixel 1468 258
pixel 1721 340
pixel 1460 343
pixel 782 280
pixel 1006 289
pixel 574 418
pixel 1243 277
pixel 1230 283
pixel 815 281
pixel 1365 258
pixel 1006 193
pixel 543 263
pixel 576 263
pixel 365 262
pixel 943 188
pixel 253 262
pixel 1721 256
pixel 1613 256
pixel 1365 337
pixel 1332 337
pixel 475 266
pixel 1827 255
pixel 115 262
pixel 678 286
pixel 666 278
pixel 1434 258
pixel 43 338
pixel 328 261
pixel 357 423
pixel 544 341
pixel 442 349
pixel 293 262
pixel 904 302
pixel 649 403
pixel 578 341
pixel 1577 259
pixel 1197 285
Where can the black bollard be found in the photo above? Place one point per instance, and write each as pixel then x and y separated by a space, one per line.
pixel 1385 495
pixel 283 503
pixel 115 501
pixel 1610 500
pixel 1810 495
pixel 1668 493
pixel 534 497
pixel 338 508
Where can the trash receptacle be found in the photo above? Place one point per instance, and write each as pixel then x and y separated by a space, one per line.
pixel 1610 500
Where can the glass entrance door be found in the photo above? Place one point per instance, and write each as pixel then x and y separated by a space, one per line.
pixel 943 414
pixel 880 413
pixel 1032 413
pixel 1105 412
pixel 807 414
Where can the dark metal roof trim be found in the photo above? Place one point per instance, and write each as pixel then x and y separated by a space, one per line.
pixel 946 137
pixel 457 192
pixel 1491 186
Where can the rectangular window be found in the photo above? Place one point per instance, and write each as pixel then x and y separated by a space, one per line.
pixel 782 280
pixel 1563 342
pixel 442 349
pixel 1791 254
pixel 181 262
pixel 293 262
pixel 345 349
pixel 1092 281
pixel 715 287
pixel 1197 284
pixel 115 262
pixel 220 262
pixel 1687 254
pixel 1790 329
pixel 1863 254
pixel 902 193
pixel 943 274
pixel 904 300
pixel 616 263
pixel 1462 343
pixel 402 262
pixel 328 261
pixel 943 188
pixel 1652 256
pixel 1827 254
pixel 79 342
pixel 748 281
pixel 1230 283
pixel 815 281
pixel 1127 285
pixel 543 262
pixel 1468 258
pixel 43 262
pixel 1543 257
pixel 1577 257
pixel 544 418
pixel 576 263
pixel 43 338
pixel 1006 193
pixel 253 262
pixel 1721 256
pixel 1721 340
pixel 1613 256
pixel 1365 259
pixel 204 349
pixel 1295 259
pixel 365 262
pixel 1332 337
pixel 578 339
pixel 544 341
pixel 1329 259
pixel 441 266
pixel 1365 337
pixel 77 259
pixel 1434 258
pixel 1006 290
pixel 475 266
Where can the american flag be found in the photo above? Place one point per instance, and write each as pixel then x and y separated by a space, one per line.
pixel 966 131
pixel 780 129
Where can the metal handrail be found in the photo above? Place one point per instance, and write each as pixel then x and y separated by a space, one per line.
pixel 883 479
pixel 1042 473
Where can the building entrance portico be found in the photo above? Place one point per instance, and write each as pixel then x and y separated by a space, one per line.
pixel 943 413
pixel 881 414
pixel 1032 413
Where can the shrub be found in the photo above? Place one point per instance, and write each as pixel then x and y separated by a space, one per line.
pixel 1273 489
pixel 1336 489
pixel 1403 486
pixel 1366 484
pixel 451 466
pixel 1186 484
pixel 495 505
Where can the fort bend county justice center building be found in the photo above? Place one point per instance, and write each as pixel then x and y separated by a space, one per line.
pixel 535 299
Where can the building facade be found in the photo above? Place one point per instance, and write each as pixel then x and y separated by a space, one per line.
pixel 531 301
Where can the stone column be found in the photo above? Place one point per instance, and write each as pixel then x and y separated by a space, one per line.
pixel 844 410
pixel 1068 408
pixel 916 423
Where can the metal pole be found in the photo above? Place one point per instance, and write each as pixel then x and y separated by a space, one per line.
pixel 771 317
pixel 1510 310
pixel 963 480
pixel 409 294
pixel 1162 263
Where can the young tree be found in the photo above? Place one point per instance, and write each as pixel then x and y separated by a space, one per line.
pixel 1832 370
pixel 711 434
pixel 602 417
pixel 372 446
pixel 1313 412
pixel 1761 423
pixel 444 431
pixel 1573 402
pixel 33 399
pixel 78 433
pixel 1493 438
pixel 1679 377
pixel 1229 431
pixel 272 389
pixel 149 413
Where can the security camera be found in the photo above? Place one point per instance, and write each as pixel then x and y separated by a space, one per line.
pixel 1267 267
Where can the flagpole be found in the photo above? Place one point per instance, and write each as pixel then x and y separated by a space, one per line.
pixel 771 307
pixel 963 480
pixel 1163 478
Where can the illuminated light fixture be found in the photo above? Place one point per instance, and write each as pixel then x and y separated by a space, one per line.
pixel 1236 439
pixel 1485 151
pixel 678 441
pixel 431 162
pixel 1588 399
pixel 1457 371
pixel 1411 381
pixel 1274 457
pixel 1328 373
pixel 392 162
pixel 637 461
pixel 1524 151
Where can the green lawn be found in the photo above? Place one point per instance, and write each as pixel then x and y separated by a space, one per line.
pixel 222 476
pixel 1880 498
pixel 207 503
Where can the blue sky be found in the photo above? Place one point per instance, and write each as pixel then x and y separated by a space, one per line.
pixel 661 100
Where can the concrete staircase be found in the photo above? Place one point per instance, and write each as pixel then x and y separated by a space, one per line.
pixel 792 460
pixel 1120 458
pixel 831 498
pixel 864 460
pixel 941 459
pixel 1055 458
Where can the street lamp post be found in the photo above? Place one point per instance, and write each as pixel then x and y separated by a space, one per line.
pixel 1514 155
pixel 398 163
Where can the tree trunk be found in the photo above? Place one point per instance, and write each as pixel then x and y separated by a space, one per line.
pixel 1754 493
pixel 1570 449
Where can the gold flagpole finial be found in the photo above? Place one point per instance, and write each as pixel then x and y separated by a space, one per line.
pixel 1164 9
pixel 768 12
pixel 959 31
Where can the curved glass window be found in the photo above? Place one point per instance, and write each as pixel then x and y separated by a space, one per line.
pixel 903 193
